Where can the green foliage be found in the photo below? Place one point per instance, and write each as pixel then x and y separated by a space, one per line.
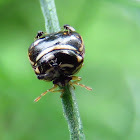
pixel 111 33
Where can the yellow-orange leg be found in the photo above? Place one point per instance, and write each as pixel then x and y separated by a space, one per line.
pixel 49 90
pixel 77 79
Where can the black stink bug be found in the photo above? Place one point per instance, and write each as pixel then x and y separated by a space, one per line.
pixel 57 57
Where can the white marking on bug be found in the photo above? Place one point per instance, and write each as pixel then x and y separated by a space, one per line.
pixel 66 65
pixel 56 47
pixel 36 42
pixel 72 37
pixel 49 57
pixel 37 70
pixel 32 63
pixel 81 48
pixel 82 45
pixel 79 58
pixel 32 46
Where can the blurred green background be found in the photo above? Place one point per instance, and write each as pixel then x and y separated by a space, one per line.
pixel 111 32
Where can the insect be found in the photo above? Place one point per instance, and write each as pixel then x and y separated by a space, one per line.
pixel 57 57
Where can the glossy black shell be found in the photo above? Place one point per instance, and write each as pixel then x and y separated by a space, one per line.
pixel 56 57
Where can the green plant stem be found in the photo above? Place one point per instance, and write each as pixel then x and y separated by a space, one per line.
pixel 50 16
pixel 71 113
pixel 69 103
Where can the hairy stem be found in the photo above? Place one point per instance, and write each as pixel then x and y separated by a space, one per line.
pixel 50 16
pixel 72 115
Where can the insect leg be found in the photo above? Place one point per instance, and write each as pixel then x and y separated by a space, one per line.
pixel 49 90
pixel 76 82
